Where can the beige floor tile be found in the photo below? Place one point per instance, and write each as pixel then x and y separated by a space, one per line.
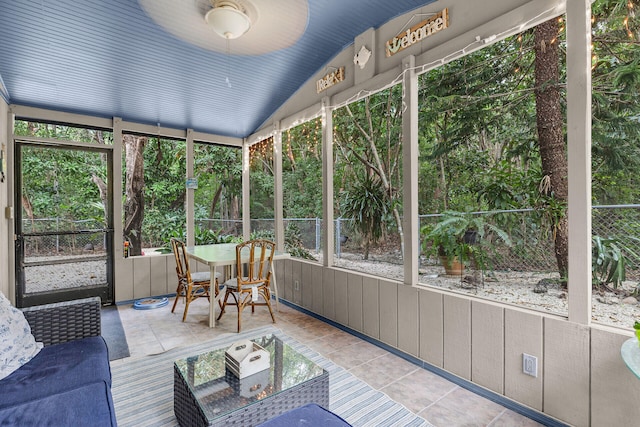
pixel 427 384
pixel 353 355
pixel 392 365
pixel 470 406
pixel 438 400
pixel 508 418
pixel 441 416
pixel 375 379
pixel 410 395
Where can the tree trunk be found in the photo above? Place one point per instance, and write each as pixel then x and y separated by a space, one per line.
pixel 549 120
pixel 235 216
pixel 134 191
pixel 102 189
pixel 214 202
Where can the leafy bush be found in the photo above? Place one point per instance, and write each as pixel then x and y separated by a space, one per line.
pixel 292 241
pixel 609 261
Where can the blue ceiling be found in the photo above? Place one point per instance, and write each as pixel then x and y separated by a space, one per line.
pixel 110 59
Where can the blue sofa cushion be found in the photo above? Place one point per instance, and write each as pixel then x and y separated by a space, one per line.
pixel 88 405
pixel 310 415
pixel 68 378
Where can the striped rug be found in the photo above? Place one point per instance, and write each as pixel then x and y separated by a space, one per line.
pixel 143 388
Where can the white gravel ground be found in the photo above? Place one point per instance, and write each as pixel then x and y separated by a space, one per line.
pixel 510 287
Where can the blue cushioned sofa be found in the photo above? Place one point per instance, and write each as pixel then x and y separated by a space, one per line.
pixel 68 383
pixel 310 415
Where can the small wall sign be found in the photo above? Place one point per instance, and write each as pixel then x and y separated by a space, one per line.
pixel 418 32
pixel 330 79
pixel 192 183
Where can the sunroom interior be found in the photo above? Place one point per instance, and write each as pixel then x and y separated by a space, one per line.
pixel 147 68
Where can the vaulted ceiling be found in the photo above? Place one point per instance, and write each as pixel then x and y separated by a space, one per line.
pixel 158 62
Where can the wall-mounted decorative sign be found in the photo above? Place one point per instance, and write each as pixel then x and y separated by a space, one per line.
pixel 418 32
pixel 192 183
pixel 362 57
pixel 330 79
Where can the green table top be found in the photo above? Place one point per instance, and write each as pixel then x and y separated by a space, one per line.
pixel 221 254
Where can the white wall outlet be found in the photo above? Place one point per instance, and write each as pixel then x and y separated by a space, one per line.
pixel 296 285
pixel 530 365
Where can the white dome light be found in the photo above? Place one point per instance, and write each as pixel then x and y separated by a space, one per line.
pixel 228 20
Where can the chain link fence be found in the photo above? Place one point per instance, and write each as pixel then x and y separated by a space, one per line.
pixel 532 248
pixel 74 238
pixel 228 227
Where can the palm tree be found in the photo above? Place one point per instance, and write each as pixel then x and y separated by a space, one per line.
pixel 367 204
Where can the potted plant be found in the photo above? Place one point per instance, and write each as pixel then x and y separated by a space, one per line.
pixel 456 239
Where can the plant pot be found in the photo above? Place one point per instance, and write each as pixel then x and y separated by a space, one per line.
pixel 452 266
pixel 470 237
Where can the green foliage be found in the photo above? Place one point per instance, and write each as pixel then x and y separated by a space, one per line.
pixel 160 226
pixel 610 258
pixel 219 173
pixel 302 170
pixel 616 106
pixel 57 182
pixel 477 127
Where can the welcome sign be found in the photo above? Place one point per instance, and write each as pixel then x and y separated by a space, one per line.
pixel 418 32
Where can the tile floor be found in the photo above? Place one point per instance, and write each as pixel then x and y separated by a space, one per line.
pixel 439 401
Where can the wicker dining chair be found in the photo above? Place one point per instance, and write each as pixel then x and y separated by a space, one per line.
pixel 190 285
pixel 253 277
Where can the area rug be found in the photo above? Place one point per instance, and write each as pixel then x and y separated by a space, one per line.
pixel 113 333
pixel 143 388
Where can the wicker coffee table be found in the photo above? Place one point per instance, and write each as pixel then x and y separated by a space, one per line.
pixel 206 393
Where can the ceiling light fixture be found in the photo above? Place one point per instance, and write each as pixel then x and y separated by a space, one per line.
pixel 228 19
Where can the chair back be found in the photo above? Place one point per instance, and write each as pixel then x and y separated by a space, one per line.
pixel 253 262
pixel 182 261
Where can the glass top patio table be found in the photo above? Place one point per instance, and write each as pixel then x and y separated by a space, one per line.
pixel 219 393
pixel 631 355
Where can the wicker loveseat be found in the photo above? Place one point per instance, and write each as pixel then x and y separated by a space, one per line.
pixel 68 383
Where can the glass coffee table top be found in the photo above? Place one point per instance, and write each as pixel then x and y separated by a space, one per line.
pixel 218 391
pixel 631 355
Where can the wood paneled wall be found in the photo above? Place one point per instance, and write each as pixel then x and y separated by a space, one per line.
pixel 581 380
pixel 145 276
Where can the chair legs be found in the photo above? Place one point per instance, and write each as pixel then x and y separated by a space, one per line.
pixel 243 299
pixel 179 292
pixel 189 295
pixel 224 302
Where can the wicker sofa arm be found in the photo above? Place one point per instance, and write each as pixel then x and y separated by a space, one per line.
pixel 64 321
